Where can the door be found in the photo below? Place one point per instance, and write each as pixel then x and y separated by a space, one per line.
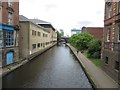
pixel 9 58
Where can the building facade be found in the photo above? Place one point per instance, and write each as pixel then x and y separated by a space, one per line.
pixel 33 38
pixel 111 40
pixel 48 26
pixel 9 27
pixel 75 31
pixel 97 32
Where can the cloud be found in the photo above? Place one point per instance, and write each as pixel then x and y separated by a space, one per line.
pixel 84 23
pixel 48 7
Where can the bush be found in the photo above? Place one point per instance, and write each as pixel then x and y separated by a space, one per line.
pixel 94 48
pixel 81 40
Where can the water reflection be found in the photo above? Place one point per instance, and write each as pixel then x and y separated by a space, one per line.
pixel 56 68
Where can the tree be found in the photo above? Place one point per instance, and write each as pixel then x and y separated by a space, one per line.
pixel 58 36
pixel 94 48
pixel 81 40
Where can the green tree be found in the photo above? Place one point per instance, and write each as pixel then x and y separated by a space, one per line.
pixel 58 36
pixel 94 48
pixel 81 40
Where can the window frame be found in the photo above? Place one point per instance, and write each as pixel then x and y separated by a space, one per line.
pixel 1 38
pixel 119 7
pixel 108 34
pixel 119 33
pixel 9 39
pixel 117 63
pixel 106 60
pixel 109 9
pixel 34 47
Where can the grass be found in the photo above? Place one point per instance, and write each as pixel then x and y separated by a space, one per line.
pixel 96 61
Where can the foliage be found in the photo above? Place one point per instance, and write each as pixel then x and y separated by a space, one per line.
pixel 96 61
pixel 58 36
pixel 94 48
pixel 80 41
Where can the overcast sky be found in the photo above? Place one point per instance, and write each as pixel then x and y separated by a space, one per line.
pixel 65 14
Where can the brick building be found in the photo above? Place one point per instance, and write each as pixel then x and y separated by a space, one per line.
pixel 97 32
pixel 9 27
pixel 111 40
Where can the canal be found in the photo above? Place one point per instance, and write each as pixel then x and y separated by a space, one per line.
pixel 56 68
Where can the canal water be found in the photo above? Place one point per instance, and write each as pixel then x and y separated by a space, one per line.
pixel 56 68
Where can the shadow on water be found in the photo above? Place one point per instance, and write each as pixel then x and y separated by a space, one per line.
pixel 56 68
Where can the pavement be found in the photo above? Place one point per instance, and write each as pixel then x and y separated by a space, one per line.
pixel 96 75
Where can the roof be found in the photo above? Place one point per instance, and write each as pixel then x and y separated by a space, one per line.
pixel 24 19
pixel 42 23
pixel 38 21
pixel 75 30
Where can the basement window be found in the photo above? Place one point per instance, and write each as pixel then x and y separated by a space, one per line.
pixel 119 33
pixel 117 65
pixel 106 60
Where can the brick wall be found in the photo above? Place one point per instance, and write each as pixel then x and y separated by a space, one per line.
pixel 97 32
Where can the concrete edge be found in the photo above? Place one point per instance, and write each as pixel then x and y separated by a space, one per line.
pixel 91 80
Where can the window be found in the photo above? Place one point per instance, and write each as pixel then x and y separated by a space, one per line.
pixel 10 18
pixel 119 33
pixel 106 60
pixel 10 3
pixel 33 33
pixel 38 45
pixel 9 38
pixel 109 9
pixel 39 34
pixel 1 38
pixel 43 35
pixel 108 34
pixel 119 7
pixel 33 46
pixel 117 65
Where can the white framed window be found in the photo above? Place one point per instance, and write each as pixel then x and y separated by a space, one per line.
pixel 108 34
pixel 10 3
pixel 10 18
pixel 9 38
pixel 109 9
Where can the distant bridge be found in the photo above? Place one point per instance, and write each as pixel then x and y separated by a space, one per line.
pixel 65 39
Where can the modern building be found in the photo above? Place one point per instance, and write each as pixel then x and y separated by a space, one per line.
pixel 33 38
pixel 9 27
pixel 48 26
pixel 75 31
pixel 111 40
pixel 97 32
